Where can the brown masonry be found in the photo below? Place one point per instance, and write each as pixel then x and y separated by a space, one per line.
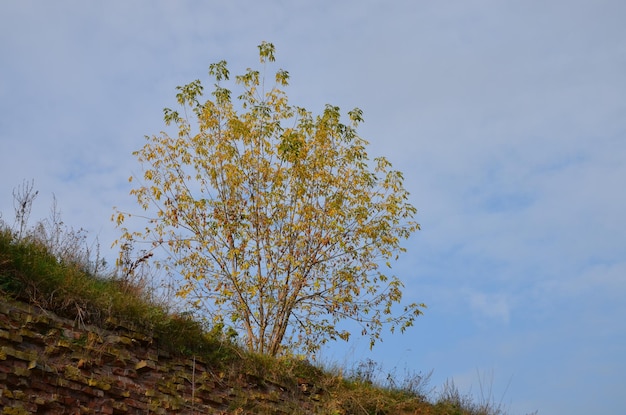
pixel 51 365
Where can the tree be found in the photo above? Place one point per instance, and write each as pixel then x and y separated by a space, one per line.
pixel 276 220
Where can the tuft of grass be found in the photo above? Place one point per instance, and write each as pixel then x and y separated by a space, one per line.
pixel 453 402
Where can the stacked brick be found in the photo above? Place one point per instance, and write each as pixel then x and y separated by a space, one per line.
pixel 51 365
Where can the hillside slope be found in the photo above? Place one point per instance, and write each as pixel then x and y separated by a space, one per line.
pixel 72 342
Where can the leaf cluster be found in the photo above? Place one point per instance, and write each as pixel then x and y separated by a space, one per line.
pixel 274 220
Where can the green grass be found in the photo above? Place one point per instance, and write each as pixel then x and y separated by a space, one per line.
pixel 30 271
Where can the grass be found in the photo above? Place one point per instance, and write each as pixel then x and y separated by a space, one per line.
pixel 65 281
pixel 31 272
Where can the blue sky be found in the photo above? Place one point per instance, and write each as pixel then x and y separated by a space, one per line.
pixel 508 119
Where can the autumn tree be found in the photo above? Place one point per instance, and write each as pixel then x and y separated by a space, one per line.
pixel 275 220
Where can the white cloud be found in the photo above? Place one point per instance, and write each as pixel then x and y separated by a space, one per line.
pixel 490 306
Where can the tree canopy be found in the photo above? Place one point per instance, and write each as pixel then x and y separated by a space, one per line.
pixel 275 220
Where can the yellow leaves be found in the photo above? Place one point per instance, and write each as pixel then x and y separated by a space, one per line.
pixel 266 52
pixel 185 290
pixel 119 218
pixel 156 192
pixel 282 77
pixel 275 211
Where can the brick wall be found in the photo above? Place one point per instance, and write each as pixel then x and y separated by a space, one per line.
pixel 51 365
